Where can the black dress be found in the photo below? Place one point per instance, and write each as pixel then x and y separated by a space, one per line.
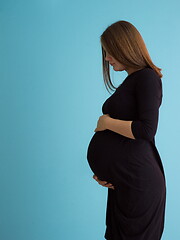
pixel 136 208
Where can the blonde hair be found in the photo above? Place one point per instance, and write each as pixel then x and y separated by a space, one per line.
pixel 124 42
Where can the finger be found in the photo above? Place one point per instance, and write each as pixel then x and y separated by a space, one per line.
pixel 110 186
pixel 95 177
pixel 106 185
pixel 103 182
pixel 100 181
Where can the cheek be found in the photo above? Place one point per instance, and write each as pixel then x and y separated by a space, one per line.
pixel 117 63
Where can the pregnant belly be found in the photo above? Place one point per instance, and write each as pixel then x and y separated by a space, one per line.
pixel 104 149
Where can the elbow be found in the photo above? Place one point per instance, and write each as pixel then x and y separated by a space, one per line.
pixel 142 131
pixel 148 137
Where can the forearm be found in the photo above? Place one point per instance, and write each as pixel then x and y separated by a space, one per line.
pixel 120 126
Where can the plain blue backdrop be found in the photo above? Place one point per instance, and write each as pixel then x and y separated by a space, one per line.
pixel 51 94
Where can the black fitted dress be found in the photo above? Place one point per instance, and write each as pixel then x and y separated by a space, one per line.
pixel 136 208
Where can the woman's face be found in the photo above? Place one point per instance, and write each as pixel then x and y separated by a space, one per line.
pixel 117 66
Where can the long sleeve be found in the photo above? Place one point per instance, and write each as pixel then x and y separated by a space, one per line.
pixel 148 93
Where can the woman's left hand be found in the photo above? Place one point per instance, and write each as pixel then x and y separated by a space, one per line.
pixel 101 124
pixel 103 183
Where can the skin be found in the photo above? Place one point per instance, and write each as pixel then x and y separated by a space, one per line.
pixel 105 122
pixel 117 66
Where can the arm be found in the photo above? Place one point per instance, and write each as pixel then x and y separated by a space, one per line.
pixel 148 93
pixel 120 126
pixel 149 97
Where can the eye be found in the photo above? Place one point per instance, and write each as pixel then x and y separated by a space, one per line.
pixel 104 52
pixel 108 54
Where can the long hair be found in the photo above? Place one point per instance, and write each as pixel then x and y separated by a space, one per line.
pixel 124 42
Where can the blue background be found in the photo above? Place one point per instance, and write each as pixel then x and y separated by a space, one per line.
pixel 51 94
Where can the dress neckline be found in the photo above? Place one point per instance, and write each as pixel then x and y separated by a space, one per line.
pixel 133 73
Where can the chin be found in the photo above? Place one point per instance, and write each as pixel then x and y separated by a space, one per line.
pixel 118 70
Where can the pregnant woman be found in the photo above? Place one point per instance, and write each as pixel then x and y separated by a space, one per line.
pixel 122 153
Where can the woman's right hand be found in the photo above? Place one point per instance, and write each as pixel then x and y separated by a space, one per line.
pixel 103 183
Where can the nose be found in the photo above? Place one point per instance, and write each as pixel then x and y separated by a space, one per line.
pixel 108 58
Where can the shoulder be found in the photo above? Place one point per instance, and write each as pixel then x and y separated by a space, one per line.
pixel 148 77
pixel 147 72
